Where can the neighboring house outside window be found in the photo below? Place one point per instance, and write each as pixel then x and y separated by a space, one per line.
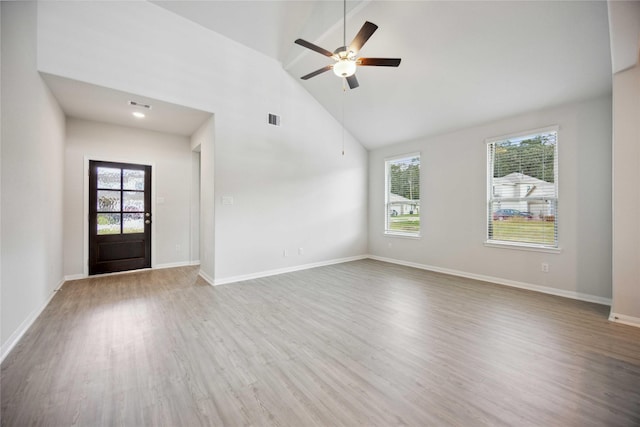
pixel 522 189
pixel 402 195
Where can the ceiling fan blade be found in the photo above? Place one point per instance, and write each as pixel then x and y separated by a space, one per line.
pixel 363 35
pixel 313 47
pixel 316 72
pixel 353 82
pixel 379 62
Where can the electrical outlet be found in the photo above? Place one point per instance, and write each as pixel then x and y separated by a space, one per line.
pixel 300 251
pixel 285 252
pixel 544 267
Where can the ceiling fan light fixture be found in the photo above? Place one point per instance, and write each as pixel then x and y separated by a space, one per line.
pixel 346 56
pixel 344 68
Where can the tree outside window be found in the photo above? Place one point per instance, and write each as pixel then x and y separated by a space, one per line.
pixel 522 189
pixel 402 195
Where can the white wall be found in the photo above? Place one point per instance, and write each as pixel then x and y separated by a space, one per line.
pixel 624 33
pixel 291 186
pixel 624 25
pixel 453 204
pixel 171 157
pixel 32 178
pixel 626 196
pixel 1 138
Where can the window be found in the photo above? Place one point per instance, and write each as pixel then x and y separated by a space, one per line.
pixel 522 189
pixel 402 195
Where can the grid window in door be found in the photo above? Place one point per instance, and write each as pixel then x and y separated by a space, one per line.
pixel 120 201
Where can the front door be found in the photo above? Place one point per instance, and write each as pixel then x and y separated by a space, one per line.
pixel 119 217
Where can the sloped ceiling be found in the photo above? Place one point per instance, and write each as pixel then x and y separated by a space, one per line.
pixel 463 63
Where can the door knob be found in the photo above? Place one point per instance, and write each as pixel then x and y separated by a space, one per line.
pixel 147 214
pixel 147 222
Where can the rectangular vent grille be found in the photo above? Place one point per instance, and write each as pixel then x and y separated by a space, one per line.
pixel 274 119
pixel 139 104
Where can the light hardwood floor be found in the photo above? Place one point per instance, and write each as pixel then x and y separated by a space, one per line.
pixel 360 343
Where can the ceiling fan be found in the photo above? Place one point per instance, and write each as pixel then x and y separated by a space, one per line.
pixel 346 57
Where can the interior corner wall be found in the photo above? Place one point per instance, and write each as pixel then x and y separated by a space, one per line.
pixel 170 156
pixel 33 133
pixel 453 206
pixel 624 27
pixel 276 188
pixel 1 138
pixel 624 33
pixel 626 196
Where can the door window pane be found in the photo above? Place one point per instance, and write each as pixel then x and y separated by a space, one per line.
pixel 133 223
pixel 132 179
pixel 108 223
pixel 108 178
pixel 108 201
pixel 133 201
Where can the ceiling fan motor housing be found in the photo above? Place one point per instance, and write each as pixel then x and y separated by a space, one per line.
pixel 346 65
pixel 343 52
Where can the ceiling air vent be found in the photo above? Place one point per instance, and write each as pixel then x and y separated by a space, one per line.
pixel 274 119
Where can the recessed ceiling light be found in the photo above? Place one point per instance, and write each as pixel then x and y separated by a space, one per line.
pixel 138 114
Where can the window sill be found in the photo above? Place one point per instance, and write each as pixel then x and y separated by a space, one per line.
pixel 402 235
pixel 521 247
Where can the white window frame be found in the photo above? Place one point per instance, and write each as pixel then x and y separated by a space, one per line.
pixel 387 188
pixel 555 248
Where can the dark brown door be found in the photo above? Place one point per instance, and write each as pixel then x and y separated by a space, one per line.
pixel 119 217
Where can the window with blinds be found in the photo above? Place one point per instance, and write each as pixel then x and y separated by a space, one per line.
pixel 402 195
pixel 522 191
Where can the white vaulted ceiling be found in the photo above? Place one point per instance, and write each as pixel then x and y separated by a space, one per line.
pixel 463 63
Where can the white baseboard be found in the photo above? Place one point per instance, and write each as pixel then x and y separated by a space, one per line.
pixel 241 278
pixel 500 281
pixel 206 277
pixel 26 324
pixel 74 277
pixel 624 319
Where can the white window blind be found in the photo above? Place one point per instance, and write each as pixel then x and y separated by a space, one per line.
pixel 402 195
pixel 522 189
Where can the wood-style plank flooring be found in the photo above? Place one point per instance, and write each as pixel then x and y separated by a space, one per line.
pixel 354 344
